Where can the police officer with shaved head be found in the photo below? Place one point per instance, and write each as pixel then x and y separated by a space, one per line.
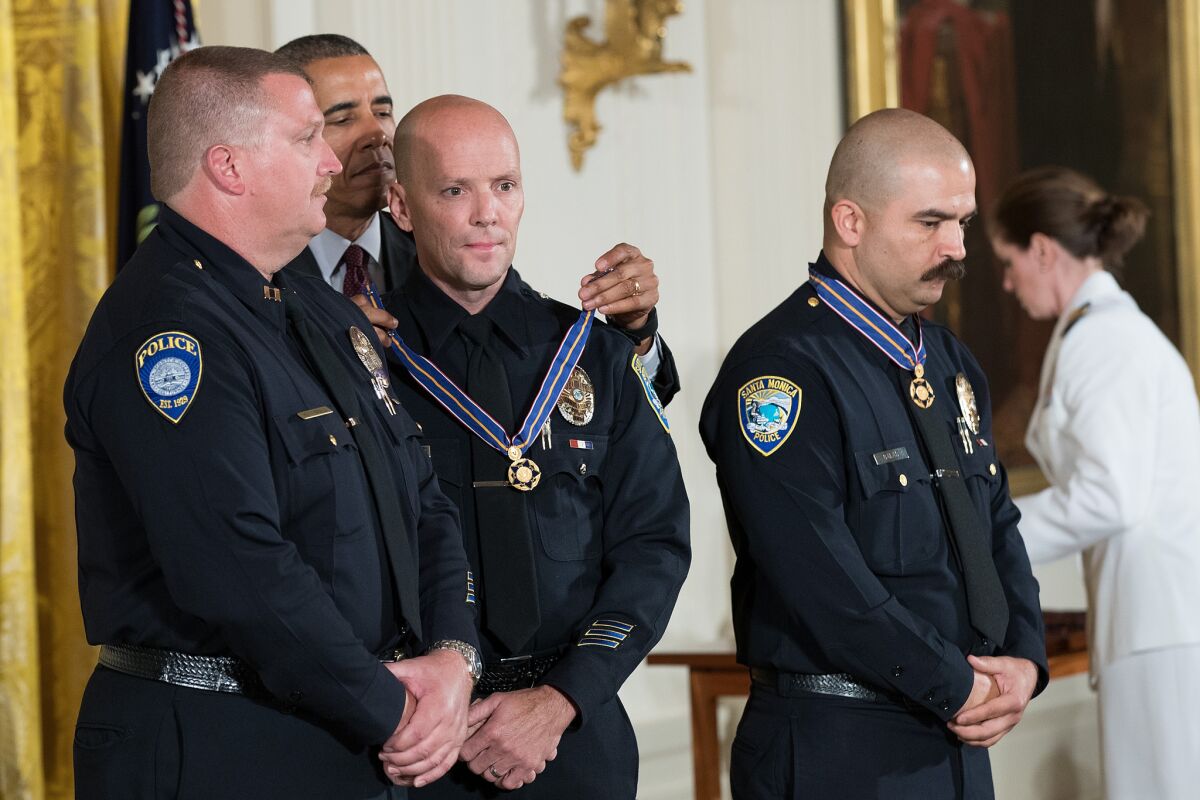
pixel 362 244
pixel 882 596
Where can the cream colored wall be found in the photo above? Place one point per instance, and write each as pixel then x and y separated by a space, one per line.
pixel 718 176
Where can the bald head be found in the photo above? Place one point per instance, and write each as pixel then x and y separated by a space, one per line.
pixel 867 165
pixel 433 122
pixel 459 191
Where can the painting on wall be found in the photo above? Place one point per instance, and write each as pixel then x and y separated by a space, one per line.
pixel 1081 83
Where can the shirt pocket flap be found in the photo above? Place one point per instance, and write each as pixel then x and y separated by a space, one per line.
pixel 306 438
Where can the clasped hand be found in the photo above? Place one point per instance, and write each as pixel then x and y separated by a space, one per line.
pixel 1003 687
pixel 434 725
pixel 513 735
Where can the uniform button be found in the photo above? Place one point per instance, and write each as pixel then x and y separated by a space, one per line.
pixel 903 479
pixel 984 641
pixel 583 469
pixel 814 302
pixel 897 671
pixel 333 440
pixel 992 469
pixel 945 705
pixel 197 263
pixel 929 697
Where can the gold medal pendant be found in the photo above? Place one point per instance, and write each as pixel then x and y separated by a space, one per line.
pixel 523 474
pixel 919 390
pixel 577 401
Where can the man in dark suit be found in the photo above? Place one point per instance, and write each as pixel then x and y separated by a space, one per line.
pixel 363 244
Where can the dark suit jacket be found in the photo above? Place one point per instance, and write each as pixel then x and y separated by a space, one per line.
pixel 398 256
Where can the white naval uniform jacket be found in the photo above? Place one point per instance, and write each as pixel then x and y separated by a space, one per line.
pixel 1117 432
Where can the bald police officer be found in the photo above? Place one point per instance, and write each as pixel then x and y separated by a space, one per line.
pixel 882 596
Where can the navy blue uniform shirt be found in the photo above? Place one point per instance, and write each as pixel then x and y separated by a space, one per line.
pixel 609 523
pixel 844 564
pixel 243 526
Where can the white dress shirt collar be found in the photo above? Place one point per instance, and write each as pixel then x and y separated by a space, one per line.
pixel 328 248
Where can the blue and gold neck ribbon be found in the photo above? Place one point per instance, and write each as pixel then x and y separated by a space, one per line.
pixel 875 327
pixel 473 417
pixel 879 331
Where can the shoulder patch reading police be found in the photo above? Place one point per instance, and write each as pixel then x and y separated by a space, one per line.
pixel 652 396
pixel 168 367
pixel 768 407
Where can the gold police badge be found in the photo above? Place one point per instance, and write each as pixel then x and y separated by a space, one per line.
pixel 577 402
pixel 966 402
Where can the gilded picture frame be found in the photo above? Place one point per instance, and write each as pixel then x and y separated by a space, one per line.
pixel 1162 272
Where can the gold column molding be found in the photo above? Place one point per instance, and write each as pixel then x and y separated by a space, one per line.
pixel 634 31
pixel 873 67
pixel 1183 31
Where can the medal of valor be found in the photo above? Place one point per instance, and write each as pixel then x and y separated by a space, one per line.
pixel 562 380
pixel 374 364
pixel 577 402
pixel 966 402
pixel 879 331
pixel 919 389
pixel 524 474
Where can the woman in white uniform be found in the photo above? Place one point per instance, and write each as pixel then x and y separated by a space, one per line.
pixel 1116 431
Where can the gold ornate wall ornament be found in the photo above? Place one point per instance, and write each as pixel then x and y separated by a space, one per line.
pixel 634 32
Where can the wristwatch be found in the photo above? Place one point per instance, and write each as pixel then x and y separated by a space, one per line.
pixel 469 654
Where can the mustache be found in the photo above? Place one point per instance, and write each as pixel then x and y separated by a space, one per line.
pixel 323 187
pixel 948 270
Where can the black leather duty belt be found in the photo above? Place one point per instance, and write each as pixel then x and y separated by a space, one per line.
pixel 211 673
pixel 516 672
pixel 227 674
pixel 789 684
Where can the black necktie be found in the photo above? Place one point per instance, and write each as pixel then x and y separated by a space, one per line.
pixel 510 602
pixel 986 604
pixel 339 382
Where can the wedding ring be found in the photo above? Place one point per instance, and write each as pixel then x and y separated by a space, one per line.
pixel 637 288
pixel 496 775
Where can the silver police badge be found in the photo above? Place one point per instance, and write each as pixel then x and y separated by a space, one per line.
pixel 577 402
pixel 374 365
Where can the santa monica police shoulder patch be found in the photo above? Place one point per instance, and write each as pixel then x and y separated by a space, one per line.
pixel 168 369
pixel 768 407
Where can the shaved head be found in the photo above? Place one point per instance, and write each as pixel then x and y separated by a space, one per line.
pixel 899 195
pixel 459 191
pixel 867 165
pixel 431 121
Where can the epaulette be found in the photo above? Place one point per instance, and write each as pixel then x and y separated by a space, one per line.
pixel 1076 315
